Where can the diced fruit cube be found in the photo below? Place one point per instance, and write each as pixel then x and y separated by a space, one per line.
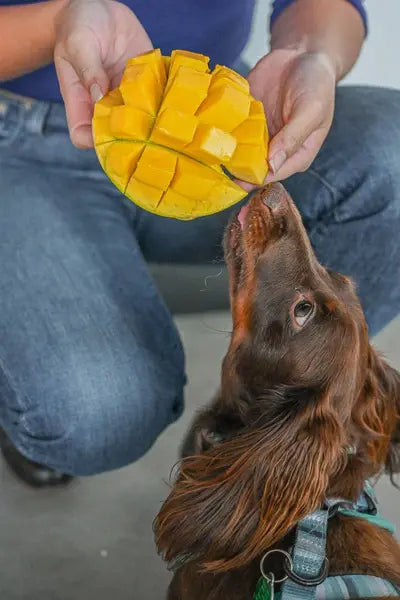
pixel 211 144
pixel 130 122
pixel 101 130
pixel 193 179
pixel 187 90
pixel 103 107
pixel 226 108
pixel 223 75
pixel 155 60
pixel 174 128
pixel 101 151
pixel 257 110
pixel 156 167
pixel 140 88
pixel 121 160
pixel 249 163
pixel 175 204
pixel 182 58
pixel 221 196
pixel 251 131
pixel 146 196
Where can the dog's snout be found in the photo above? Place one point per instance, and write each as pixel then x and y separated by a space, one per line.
pixel 275 197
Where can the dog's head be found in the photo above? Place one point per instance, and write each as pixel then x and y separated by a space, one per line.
pixel 306 407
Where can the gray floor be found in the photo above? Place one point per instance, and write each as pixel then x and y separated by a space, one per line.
pixel 93 541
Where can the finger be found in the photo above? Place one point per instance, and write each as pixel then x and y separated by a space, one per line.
pixel 248 187
pixel 78 104
pixel 301 160
pixel 84 54
pixel 304 120
pixel 83 81
pixel 297 163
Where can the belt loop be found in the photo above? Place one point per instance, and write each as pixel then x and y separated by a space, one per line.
pixel 36 114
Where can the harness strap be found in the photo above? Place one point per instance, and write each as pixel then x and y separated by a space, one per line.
pixel 356 586
pixel 308 557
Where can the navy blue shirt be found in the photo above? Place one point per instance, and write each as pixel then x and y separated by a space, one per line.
pixel 217 28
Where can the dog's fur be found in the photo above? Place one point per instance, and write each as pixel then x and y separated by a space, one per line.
pixel 294 398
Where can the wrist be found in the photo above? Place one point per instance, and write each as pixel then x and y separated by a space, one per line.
pixel 306 47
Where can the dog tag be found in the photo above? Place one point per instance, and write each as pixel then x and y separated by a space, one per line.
pixel 265 589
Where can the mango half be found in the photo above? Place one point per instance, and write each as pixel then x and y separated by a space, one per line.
pixel 168 136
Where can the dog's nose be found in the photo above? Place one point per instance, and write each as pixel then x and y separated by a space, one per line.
pixel 274 196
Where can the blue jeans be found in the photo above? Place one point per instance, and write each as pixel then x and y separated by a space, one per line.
pixel 91 364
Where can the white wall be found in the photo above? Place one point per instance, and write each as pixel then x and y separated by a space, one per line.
pixel 379 63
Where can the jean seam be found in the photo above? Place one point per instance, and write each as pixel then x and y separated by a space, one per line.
pixel 9 139
pixel 21 407
pixel 332 189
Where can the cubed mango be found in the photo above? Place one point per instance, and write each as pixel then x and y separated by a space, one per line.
pixel 211 144
pixel 140 88
pixel 156 167
pixel 169 133
pixel 193 179
pixel 121 160
pixel 249 163
pixel 146 196
pixel 187 90
pixel 153 58
pixel 129 122
pixel 226 107
pixel 174 128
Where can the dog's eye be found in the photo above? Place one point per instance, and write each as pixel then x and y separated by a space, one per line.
pixel 302 312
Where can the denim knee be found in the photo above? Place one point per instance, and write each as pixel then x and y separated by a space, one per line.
pixel 100 420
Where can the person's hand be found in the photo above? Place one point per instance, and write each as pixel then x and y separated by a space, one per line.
pixel 298 93
pixel 94 38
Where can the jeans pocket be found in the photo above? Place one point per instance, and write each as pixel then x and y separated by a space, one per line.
pixel 10 121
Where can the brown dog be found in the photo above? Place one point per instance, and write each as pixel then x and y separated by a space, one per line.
pixel 301 385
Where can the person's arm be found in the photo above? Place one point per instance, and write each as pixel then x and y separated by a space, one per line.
pixel 314 43
pixel 27 37
pixel 333 27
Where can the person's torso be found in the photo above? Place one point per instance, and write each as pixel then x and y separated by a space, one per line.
pixel 217 28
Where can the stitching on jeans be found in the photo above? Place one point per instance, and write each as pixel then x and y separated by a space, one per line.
pixel 22 406
pixel 334 191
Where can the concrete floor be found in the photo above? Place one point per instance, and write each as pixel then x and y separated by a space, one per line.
pixel 93 541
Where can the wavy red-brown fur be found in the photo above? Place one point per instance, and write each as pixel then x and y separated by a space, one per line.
pixel 275 441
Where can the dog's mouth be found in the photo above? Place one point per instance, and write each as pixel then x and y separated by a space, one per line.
pixel 260 222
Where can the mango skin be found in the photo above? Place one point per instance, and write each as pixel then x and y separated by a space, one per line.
pixel 168 135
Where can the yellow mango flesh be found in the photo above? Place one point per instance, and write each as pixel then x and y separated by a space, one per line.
pixel 163 135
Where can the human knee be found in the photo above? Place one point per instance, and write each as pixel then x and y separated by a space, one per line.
pixel 104 423
pixel 373 133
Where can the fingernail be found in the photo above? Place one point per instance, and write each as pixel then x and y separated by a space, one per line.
pixel 277 161
pixel 95 92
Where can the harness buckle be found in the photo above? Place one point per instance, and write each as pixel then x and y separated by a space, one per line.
pixel 310 582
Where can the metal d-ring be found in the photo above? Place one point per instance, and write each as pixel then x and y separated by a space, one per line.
pixel 309 582
pixel 288 561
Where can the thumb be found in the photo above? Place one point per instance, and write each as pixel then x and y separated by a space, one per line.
pixel 305 118
pixel 83 81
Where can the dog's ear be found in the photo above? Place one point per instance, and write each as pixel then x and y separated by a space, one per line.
pixel 377 414
pixel 209 429
pixel 389 386
pixel 231 503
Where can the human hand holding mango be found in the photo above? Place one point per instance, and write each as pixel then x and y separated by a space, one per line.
pixel 166 134
pixel 297 90
pixel 93 42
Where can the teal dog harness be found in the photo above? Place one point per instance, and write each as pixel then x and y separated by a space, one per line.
pixel 307 566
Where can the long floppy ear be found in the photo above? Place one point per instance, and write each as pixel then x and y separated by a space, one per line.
pixel 231 503
pixel 388 380
pixel 377 414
